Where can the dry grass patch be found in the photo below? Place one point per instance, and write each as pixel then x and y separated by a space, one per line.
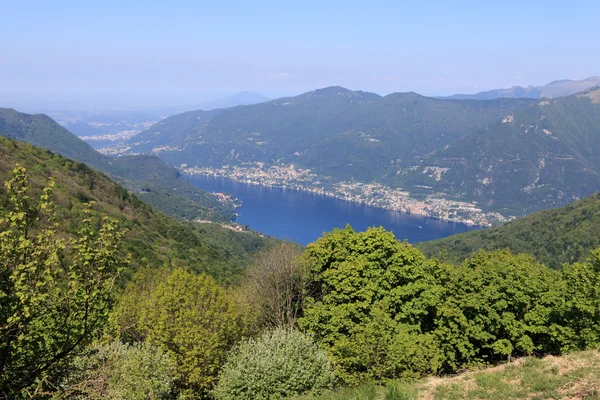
pixel 574 377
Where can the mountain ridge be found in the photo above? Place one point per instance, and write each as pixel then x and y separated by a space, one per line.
pixel 558 88
pixel 191 202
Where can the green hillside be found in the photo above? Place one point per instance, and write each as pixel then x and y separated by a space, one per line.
pixel 555 237
pixel 157 182
pixel 540 157
pixel 41 130
pixel 334 131
pixel 153 238
pixel 509 156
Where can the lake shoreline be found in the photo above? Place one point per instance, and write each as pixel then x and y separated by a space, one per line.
pixel 304 215
pixel 322 192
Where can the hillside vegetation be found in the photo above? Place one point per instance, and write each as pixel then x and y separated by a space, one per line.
pixel 352 308
pixel 510 156
pixel 554 237
pixel 152 238
pixel 158 183
pixel 574 376
pixel 333 131
pixel 542 156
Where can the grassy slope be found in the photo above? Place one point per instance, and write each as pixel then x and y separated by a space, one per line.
pixel 153 238
pixel 555 237
pixel 573 376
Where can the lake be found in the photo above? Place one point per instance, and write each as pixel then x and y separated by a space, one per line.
pixel 303 216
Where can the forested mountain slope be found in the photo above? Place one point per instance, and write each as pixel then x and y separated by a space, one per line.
pixel 542 156
pixel 555 237
pixel 153 238
pixel 157 183
pixel 334 131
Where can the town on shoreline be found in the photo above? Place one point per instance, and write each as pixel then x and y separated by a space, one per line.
pixel 290 176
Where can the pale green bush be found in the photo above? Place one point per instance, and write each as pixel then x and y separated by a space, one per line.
pixel 119 371
pixel 278 365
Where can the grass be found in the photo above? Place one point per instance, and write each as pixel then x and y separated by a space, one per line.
pixel 573 376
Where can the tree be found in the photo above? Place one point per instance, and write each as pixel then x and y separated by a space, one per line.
pixel 54 293
pixel 498 305
pixel 364 289
pixel 280 364
pixel 188 316
pixel 272 287
pixel 578 324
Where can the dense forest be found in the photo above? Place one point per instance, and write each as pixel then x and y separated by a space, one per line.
pixel 88 312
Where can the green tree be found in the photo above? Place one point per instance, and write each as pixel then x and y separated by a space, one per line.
pixel 54 293
pixel 497 305
pixel 278 365
pixel 578 324
pixel 191 318
pixel 364 289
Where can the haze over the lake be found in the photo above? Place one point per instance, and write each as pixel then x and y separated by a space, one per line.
pixel 68 54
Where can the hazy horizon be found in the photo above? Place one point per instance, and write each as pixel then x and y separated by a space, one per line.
pixel 150 55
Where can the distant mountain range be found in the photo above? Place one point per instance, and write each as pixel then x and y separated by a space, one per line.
pixel 333 131
pixel 554 89
pixel 504 155
pixel 238 99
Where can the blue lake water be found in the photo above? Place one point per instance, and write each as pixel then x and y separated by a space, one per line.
pixel 303 216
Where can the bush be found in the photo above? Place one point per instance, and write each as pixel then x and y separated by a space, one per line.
pixel 121 371
pixel 190 317
pixel 279 365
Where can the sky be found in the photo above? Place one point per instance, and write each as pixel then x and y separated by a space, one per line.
pixel 115 54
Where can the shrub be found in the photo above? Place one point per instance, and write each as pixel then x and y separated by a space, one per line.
pixel 54 293
pixel 279 365
pixel 120 371
pixel 190 317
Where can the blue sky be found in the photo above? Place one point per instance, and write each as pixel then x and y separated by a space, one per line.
pixel 180 52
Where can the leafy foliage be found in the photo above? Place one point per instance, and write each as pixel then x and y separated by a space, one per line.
pixel 365 291
pixel 54 293
pixel 278 365
pixel 384 311
pixel 498 305
pixel 188 316
pixel 152 238
pixel 119 371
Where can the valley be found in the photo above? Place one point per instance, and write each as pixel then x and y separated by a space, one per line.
pixel 299 200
